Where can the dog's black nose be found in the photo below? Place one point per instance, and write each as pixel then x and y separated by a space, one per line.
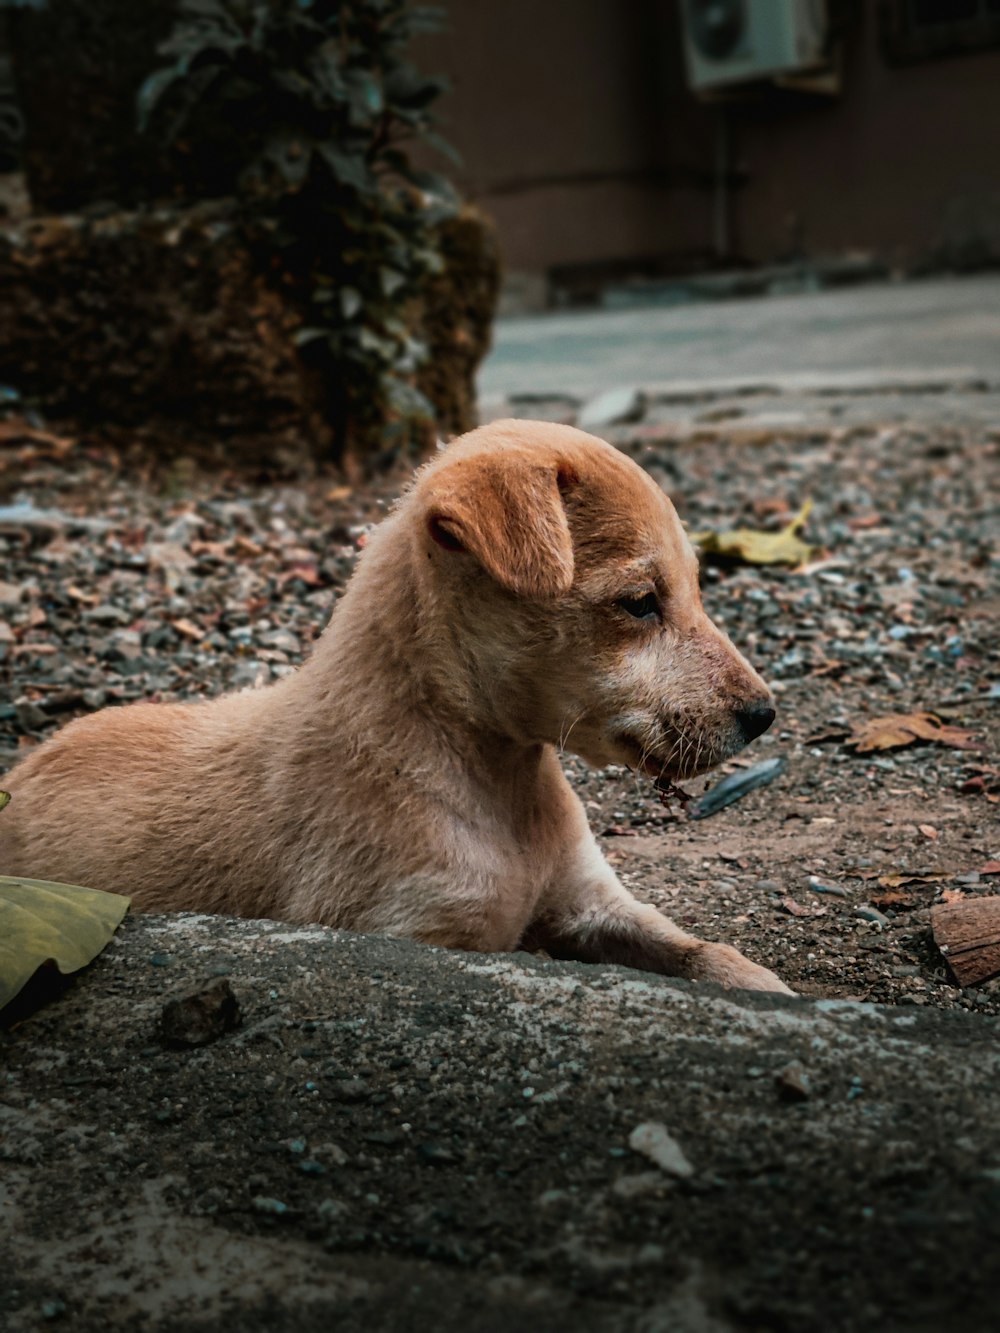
pixel 754 720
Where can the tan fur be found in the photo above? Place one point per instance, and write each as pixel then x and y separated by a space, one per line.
pixel 405 780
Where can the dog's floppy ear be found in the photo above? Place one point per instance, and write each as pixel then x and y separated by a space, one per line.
pixel 507 512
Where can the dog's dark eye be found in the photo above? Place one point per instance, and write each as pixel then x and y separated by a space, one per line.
pixel 641 608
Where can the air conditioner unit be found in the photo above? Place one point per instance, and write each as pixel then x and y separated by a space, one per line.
pixel 737 41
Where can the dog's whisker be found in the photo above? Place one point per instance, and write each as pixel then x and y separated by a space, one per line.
pixel 564 735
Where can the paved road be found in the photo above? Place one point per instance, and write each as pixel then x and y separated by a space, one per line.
pixel 913 326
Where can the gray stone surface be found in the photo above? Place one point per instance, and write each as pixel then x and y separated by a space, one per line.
pixel 406 1138
pixel 915 326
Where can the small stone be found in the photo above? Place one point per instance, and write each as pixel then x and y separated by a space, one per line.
pixel 872 914
pixel 818 886
pixel 792 1083
pixel 201 1015
pixel 610 407
pixel 349 1090
pixel 106 614
pixel 655 1141
pixel 29 716
pixel 274 1207
pixel 638 1184
pixel 435 1154
pixel 282 639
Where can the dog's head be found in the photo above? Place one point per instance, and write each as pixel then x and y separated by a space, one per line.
pixel 567 592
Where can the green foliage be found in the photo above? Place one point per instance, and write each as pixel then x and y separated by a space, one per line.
pixel 306 106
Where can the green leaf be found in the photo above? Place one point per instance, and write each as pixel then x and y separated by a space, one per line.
pixel 365 95
pixel 41 923
pixel 151 91
pixel 350 301
pixel 302 337
pixel 348 168
pixel 391 280
pixel 408 400
pixel 442 145
pixel 4 799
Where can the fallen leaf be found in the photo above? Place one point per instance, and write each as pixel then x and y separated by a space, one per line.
pixel 989 868
pixel 761 548
pixel 244 546
pixel 898 729
pixel 339 493
pixel 189 630
pixel 42 922
pixel 796 909
pixel 928 830
pixel 4 799
pixel 897 881
pixel 893 899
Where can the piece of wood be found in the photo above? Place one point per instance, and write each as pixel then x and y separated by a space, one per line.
pixel 968 934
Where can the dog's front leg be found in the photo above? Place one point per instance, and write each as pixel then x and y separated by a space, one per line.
pixel 589 916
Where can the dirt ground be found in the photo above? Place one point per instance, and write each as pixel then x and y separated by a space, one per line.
pixel 177 584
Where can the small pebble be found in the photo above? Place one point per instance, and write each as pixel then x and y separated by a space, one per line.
pixel 655 1141
pixel 792 1083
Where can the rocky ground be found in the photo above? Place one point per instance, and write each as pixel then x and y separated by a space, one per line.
pixel 398 1138
pixel 119 585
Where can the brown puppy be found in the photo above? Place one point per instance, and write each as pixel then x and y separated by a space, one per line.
pixel 534 588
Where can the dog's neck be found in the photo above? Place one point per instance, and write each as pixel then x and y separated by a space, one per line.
pixel 376 648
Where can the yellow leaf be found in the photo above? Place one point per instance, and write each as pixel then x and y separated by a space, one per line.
pixel 4 799
pixel 41 922
pixel 761 548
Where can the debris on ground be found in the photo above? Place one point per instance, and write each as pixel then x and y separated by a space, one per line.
pixel 200 1015
pixel 899 729
pixel 202 582
pixel 736 786
pixel 968 934
pixel 755 547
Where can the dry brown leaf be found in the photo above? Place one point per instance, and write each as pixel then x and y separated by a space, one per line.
pixel 898 729
pixel 893 899
pixel 898 881
pixel 796 909
pixel 928 830
pixel 244 546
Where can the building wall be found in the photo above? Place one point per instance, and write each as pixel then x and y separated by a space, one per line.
pixel 564 115
pixel 580 137
pixel 906 163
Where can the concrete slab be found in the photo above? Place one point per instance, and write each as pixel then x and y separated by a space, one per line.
pixel 399 1137
pixel 906 328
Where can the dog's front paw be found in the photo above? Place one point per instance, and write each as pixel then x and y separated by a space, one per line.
pixel 727 966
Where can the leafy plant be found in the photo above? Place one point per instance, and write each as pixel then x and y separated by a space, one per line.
pixel 303 108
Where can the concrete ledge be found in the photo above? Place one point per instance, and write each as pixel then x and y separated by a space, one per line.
pixel 401 1138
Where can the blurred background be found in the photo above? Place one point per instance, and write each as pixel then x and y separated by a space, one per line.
pixel 595 157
